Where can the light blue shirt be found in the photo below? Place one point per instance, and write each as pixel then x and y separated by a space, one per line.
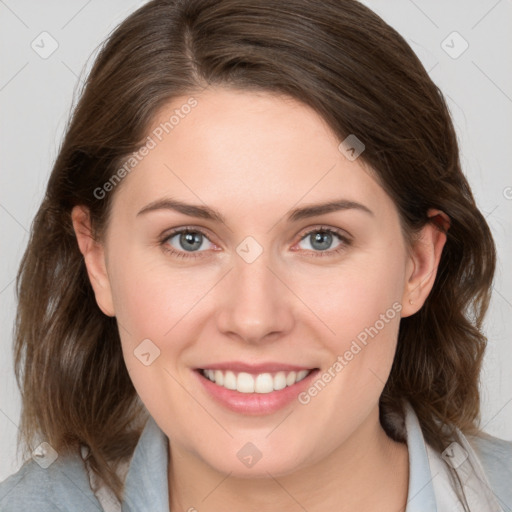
pixel 64 485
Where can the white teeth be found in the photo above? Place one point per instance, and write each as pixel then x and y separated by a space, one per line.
pixel 280 380
pixel 264 383
pixel 261 383
pixel 219 377
pixel 229 380
pixel 245 383
pixel 301 375
pixel 290 379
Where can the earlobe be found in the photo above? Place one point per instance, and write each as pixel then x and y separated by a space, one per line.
pixel 94 258
pixel 425 256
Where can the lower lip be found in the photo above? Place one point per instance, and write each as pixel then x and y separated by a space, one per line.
pixel 255 403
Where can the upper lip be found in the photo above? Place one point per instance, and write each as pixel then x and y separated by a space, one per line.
pixel 270 367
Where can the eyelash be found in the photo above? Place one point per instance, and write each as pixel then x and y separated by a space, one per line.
pixel 199 254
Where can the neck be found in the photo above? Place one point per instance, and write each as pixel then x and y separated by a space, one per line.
pixel 369 472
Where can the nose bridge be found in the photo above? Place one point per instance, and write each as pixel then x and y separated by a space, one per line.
pixel 255 303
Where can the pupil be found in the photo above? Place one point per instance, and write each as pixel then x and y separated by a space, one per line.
pixel 191 238
pixel 323 239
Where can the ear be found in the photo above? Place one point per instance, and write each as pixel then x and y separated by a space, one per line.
pixel 94 258
pixel 423 261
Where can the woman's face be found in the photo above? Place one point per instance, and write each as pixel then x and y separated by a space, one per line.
pixel 279 285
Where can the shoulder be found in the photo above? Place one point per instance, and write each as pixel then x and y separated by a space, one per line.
pixel 495 455
pixel 63 485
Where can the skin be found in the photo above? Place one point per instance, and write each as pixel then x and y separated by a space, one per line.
pixel 254 157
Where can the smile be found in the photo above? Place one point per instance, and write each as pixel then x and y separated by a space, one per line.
pixel 251 389
pixel 263 383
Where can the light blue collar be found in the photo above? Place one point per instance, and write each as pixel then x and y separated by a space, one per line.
pixel 420 496
pixel 146 487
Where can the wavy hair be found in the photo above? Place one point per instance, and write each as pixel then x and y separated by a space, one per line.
pixel 362 78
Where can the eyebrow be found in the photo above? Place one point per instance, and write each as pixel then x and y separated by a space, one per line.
pixel 205 212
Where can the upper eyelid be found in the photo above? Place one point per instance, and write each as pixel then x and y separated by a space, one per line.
pixel 177 231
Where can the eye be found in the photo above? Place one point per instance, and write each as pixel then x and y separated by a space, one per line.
pixel 185 242
pixel 320 241
pixel 188 242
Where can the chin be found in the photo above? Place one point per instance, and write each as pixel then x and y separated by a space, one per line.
pixel 249 461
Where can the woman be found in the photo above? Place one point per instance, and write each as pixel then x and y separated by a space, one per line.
pixel 258 277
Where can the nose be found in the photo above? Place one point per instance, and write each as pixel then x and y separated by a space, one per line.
pixel 256 305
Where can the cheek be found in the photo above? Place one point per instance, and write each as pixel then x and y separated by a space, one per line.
pixel 150 296
pixel 360 304
pixel 153 303
pixel 161 303
pixel 363 292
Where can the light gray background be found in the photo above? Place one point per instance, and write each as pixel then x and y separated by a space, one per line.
pixel 36 95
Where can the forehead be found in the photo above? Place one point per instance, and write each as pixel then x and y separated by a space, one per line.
pixel 245 150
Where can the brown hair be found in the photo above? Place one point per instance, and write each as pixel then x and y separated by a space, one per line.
pixel 355 71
